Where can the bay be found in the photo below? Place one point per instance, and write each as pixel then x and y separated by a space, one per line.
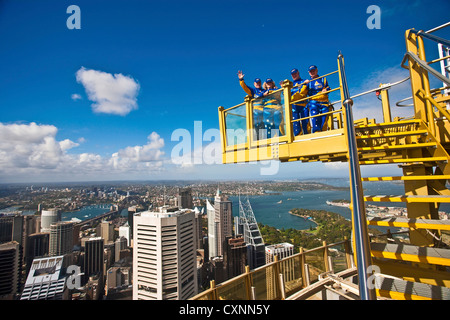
pixel 269 211
pixel 86 212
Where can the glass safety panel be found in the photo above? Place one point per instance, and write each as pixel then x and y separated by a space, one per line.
pixel 268 116
pixel 236 125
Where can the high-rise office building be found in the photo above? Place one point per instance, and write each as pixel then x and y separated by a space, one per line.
pixel 212 230
pixel 46 280
pixel 125 231
pixel 37 246
pixel 287 268
pixel 221 223
pixel 61 238
pixel 246 225
pixel 119 245
pixel 164 257
pixel 93 257
pixel 281 250
pixel 49 217
pixel 184 198
pixel 10 269
pixel 11 228
pixel 198 223
pixel 117 277
pixel 235 256
pixel 105 229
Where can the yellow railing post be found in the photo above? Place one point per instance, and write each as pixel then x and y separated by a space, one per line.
pixel 418 78
pixel 287 86
pixel 386 105
pixel 276 273
pixel 249 119
pixel 302 267
pixel 212 284
pixel 222 128
pixel 248 283
pixel 348 252
pixel 325 257
pixel 426 87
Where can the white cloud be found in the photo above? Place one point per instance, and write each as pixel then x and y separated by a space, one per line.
pixel 67 144
pixel 30 146
pixel 111 94
pixel 149 152
pixel 30 152
pixel 75 97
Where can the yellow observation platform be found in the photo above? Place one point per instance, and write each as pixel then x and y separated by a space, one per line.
pixel 413 267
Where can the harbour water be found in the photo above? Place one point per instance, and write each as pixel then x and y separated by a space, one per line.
pixel 273 209
pixel 86 212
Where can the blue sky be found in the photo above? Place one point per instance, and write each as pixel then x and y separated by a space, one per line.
pixel 102 102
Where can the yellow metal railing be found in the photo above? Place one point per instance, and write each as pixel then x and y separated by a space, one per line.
pixel 237 125
pixel 282 278
pixel 426 106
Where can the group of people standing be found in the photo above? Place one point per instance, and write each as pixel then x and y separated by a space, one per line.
pixel 267 108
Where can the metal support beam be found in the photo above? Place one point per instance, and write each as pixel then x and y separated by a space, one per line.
pixel 361 236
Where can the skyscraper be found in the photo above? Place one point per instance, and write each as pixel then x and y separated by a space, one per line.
pixel 247 225
pixel 286 268
pixel 49 217
pixel 119 244
pixel 61 238
pixel 105 229
pixel 10 269
pixel 46 280
pixel 212 230
pixel 184 198
pixel 235 256
pixel 125 231
pixel 93 257
pixel 37 246
pixel 220 223
pixel 164 258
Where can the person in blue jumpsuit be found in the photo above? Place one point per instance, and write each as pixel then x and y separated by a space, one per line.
pixel 299 110
pixel 255 93
pixel 319 104
pixel 273 116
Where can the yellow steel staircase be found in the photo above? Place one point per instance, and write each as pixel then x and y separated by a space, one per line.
pixel 417 266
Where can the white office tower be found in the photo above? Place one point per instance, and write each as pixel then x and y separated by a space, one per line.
pixel 49 217
pixel 219 224
pixel 61 238
pixel 281 250
pixel 212 229
pixel 164 259
pixel 124 231
pixel 46 280
pixel 287 269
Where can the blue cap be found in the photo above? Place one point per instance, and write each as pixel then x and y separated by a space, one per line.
pixel 269 80
pixel 257 80
pixel 294 71
pixel 312 68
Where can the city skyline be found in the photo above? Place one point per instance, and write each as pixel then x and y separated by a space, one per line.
pixel 133 94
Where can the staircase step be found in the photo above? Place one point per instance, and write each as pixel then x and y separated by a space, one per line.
pixel 408 199
pixel 408 178
pixel 392 134
pixel 429 159
pixel 397 147
pixel 399 289
pixel 399 222
pixel 406 252
pixel 390 124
